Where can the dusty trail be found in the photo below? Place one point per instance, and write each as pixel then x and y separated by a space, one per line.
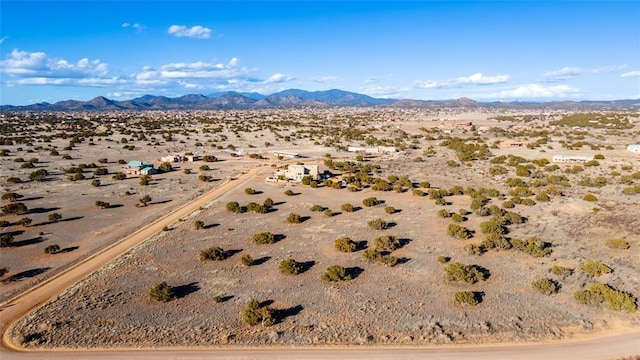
pixel 609 347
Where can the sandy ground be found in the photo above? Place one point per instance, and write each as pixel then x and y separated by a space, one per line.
pixel 409 304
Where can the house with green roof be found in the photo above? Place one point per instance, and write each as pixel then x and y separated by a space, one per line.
pixel 138 168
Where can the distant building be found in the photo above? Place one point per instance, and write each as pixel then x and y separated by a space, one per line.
pixel 138 168
pixel 297 172
pixel 634 148
pixel 511 143
pixel 181 158
pixel 457 124
pixel 287 155
pixel 373 150
pixel 571 159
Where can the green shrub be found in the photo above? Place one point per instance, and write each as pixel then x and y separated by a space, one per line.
pixel 386 243
pixel 619 243
pixel 290 267
pixel 562 271
pixel 443 259
pixel 545 286
pixel 371 201
pixel 598 293
pixel 16 208
pixel 467 298
pixel 294 218
pixel 631 190
pixel 328 213
pixel 418 192
pixel 198 224
pixel 268 202
pixel 495 225
pixel 474 249
pixel 54 217
pixel 264 238
pixel 458 231
pixel 317 208
pixel 215 253
pixel 234 207
pixel 589 197
pixel 532 246
pixel 51 249
pixel 335 273
pixel 247 260
pixel 444 213
pixel 162 292
pixel 466 273
pixel 345 244
pixel 254 314
pixel 382 257
pixel 377 224
pixel 6 240
pixel 258 208
pixel 389 209
pixel 249 191
pixel 496 241
pixel 594 268
pixel 289 192
pixel 543 197
pixel 347 207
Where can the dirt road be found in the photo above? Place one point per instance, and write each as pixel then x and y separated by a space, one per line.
pixel 610 347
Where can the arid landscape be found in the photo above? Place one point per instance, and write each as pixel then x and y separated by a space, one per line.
pixel 478 232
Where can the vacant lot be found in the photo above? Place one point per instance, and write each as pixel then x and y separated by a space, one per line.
pixel 409 303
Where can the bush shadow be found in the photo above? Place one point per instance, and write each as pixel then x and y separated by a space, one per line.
pixel 184 290
pixel 32 241
pixel 354 272
pixel 261 260
pixel 26 274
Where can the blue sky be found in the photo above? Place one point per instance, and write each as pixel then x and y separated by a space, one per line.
pixel 517 50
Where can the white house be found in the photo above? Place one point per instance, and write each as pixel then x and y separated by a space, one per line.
pixel 634 148
pixel 297 172
pixel 372 149
pixel 571 159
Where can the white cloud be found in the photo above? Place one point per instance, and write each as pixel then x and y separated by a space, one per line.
pixel 2 39
pixel 371 80
pixel 197 32
pixel 630 74
pixel 138 27
pixel 37 68
pixel 569 72
pixel 383 91
pixel 562 74
pixel 473 79
pixel 326 79
pixel 199 70
pixel 278 78
pixel 535 91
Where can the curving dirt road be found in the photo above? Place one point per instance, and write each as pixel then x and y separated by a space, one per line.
pixel 609 347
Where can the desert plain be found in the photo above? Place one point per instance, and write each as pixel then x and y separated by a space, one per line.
pixel 566 226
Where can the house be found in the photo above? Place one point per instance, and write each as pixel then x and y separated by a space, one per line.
pixel 634 148
pixel 179 157
pixel 511 143
pixel 570 159
pixel 137 168
pixel 297 172
pixel 285 154
pixel 372 150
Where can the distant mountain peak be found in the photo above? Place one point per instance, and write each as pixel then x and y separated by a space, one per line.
pixel 299 98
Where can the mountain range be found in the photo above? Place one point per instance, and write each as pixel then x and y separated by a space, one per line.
pixel 301 98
